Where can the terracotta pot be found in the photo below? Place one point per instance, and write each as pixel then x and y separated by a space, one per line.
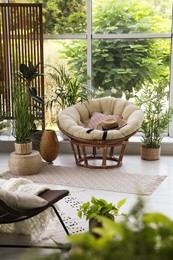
pixel 23 148
pixel 150 154
pixel 49 146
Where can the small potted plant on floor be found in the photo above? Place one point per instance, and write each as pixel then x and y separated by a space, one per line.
pixel 99 207
pixel 24 161
pixel 154 101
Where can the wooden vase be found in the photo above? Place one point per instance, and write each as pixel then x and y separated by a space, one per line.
pixel 49 146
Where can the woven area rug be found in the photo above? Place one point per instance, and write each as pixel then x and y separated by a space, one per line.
pixel 98 179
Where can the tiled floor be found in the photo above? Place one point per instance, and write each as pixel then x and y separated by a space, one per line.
pixel 161 200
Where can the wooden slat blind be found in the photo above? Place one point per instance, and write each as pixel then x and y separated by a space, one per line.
pixel 21 41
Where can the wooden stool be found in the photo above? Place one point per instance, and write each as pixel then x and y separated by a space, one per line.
pixel 25 164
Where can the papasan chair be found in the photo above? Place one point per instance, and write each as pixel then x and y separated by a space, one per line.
pixel 99 130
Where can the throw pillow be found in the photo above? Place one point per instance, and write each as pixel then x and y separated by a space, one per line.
pixel 98 118
pixel 21 200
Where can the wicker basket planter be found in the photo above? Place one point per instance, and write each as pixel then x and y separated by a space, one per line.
pixel 23 148
pixel 150 154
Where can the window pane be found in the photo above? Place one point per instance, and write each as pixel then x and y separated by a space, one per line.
pixel 62 17
pixel 132 16
pixel 120 66
pixel 62 57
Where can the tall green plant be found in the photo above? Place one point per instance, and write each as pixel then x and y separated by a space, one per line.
pixel 154 100
pixel 27 74
pixel 23 122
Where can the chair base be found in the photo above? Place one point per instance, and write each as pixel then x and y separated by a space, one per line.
pixel 98 154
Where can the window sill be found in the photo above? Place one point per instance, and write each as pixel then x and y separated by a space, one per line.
pixel 133 147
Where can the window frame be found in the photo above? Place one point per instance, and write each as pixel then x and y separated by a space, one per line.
pixel 89 36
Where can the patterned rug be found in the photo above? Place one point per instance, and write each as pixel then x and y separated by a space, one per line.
pixel 68 208
pixel 104 179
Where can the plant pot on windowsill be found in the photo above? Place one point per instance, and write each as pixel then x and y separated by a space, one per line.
pixel 153 99
pixel 150 154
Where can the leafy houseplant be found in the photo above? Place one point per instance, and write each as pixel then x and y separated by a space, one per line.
pixel 68 89
pixel 99 207
pixel 27 74
pixel 139 235
pixel 153 99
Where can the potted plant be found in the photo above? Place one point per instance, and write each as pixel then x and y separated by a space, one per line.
pixel 28 74
pixel 139 235
pixel 153 99
pixel 22 124
pixel 99 207
pixel 67 89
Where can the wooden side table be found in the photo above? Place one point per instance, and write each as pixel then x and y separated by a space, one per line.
pixel 25 164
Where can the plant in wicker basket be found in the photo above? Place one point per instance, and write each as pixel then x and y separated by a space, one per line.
pixel 22 124
pixel 154 99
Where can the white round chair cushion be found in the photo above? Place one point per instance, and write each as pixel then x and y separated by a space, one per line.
pixel 74 119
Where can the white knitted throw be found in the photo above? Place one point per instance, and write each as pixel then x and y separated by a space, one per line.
pixel 36 225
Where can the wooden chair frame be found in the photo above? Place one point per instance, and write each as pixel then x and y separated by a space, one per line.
pixel 88 152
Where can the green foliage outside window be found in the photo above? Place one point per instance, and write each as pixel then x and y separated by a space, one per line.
pixel 60 17
pixel 124 64
pixel 119 65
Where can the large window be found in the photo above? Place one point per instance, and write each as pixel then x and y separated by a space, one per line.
pixel 118 45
